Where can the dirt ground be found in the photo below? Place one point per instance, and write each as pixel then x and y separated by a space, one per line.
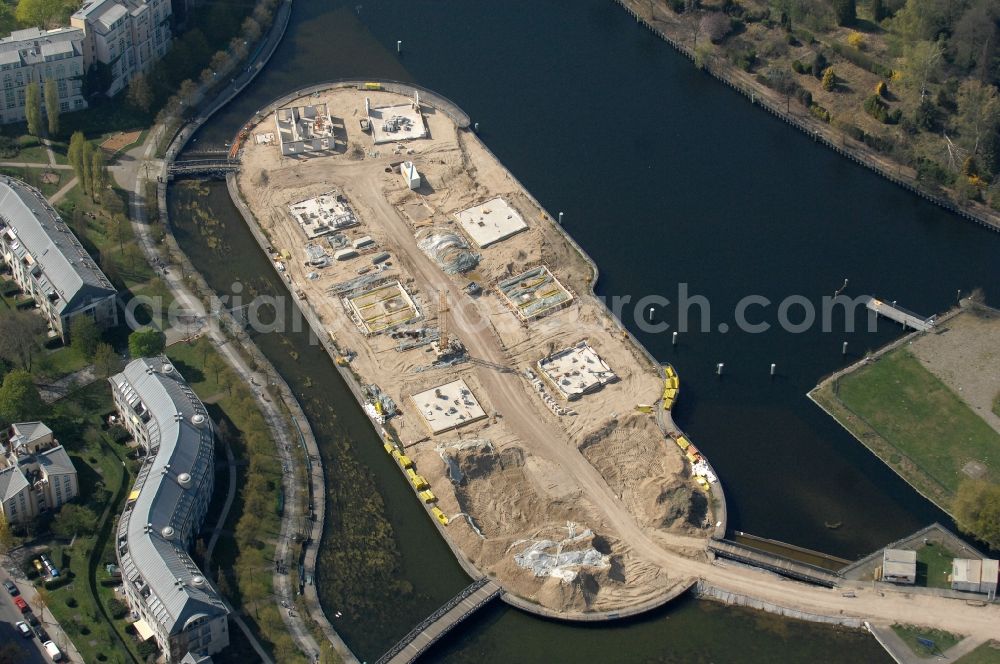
pixel 113 144
pixel 534 483
pixel 965 354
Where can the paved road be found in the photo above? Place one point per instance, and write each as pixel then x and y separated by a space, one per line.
pixel 9 615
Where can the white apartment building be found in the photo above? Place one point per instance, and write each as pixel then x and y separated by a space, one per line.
pixel 174 601
pixel 36 474
pixel 34 56
pixel 127 35
pixel 48 262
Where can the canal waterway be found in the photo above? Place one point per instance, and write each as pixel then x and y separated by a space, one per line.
pixel 666 178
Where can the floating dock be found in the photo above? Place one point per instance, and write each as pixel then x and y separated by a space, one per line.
pixel 907 319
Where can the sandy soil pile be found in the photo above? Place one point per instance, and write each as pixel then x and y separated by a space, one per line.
pixel 965 354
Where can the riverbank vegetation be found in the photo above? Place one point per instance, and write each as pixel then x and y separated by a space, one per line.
pixel 243 560
pixel 910 84
pixel 924 431
pixel 911 635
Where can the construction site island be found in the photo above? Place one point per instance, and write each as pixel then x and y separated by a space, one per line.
pixel 527 422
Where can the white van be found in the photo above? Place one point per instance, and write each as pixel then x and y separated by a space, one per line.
pixel 53 651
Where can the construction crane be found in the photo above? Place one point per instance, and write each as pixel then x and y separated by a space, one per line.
pixel 443 344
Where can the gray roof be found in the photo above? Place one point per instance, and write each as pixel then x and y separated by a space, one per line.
pixel 68 271
pixel 32 45
pixel 191 658
pixel 31 431
pixel 56 462
pixel 181 442
pixel 12 481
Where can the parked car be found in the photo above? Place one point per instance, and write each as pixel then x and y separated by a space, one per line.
pixel 40 632
pixel 21 605
pixel 11 588
pixel 23 628
pixel 39 567
pixel 31 619
pixel 53 651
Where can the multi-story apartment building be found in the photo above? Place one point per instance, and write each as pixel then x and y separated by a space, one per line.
pixel 127 35
pixel 36 474
pixel 49 263
pixel 34 55
pixel 175 603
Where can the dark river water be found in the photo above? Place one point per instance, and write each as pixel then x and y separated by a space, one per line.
pixel 670 181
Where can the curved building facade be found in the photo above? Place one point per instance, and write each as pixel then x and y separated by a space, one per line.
pixel 174 601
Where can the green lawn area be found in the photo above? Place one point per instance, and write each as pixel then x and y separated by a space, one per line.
pixel 81 606
pixel 988 653
pixel 36 154
pixel 62 361
pixel 934 566
pixel 33 176
pixel 920 417
pixel 942 640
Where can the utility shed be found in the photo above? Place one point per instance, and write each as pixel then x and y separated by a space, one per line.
pixel 899 566
pixel 974 575
pixel 410 175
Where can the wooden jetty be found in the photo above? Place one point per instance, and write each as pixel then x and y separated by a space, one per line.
pixel 907 319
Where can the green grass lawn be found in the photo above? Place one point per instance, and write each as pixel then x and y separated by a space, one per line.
pixel 988 653
pixel 934 566
pixel 62 361
pixel 81 606
pixel 36 154
pixel 942 640
pixel 33 176
pixel 918 415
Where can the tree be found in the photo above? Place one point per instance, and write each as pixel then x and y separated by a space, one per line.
pixel 829 79
pixel 147 342
pixel 978 113
pixel 98 174
pixel 977 510
pixel 52 105
pixel 84 336
pixel 6 536
pixel 846 11
pixel 215 365
pixel 106 361
pixel 38 13
pixel 140 94
pixel 87 159
pixel 33 109
pixel 19 337
pixel 878 11
pixel 75 153
pixel 19 398
pixel 73 519
pixel 921 63
pixel 716 26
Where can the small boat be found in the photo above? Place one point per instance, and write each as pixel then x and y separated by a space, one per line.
pixel 833 525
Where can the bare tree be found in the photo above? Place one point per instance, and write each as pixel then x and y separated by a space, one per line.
pixel 19 337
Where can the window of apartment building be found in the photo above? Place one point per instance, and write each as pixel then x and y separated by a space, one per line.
pixel 11 102
pixel 61 87
pixel 78 103
pixel 8 81
pixel 64 106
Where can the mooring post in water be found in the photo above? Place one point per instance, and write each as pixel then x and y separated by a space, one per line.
pixel 958 295
pixel 399 46
pixel 475 127
pixel 673 339
pixel 718 368
pixel 843 349
pixel 773 367
pixel 560 218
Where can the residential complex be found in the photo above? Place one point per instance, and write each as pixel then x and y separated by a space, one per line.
pixel 126 36
pixel 34 55
pixel 36 474
pixel 173 600
pixel 49 263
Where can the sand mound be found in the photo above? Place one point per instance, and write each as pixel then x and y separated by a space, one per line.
pixel 630 454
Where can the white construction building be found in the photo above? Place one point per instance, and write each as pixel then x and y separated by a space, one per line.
pixel 35 56
pixel 576 370
pixel 410 175
pixel 448 406
pixel 491 222
pixel 304 129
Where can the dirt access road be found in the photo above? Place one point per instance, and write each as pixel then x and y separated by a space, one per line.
pixel 507 395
